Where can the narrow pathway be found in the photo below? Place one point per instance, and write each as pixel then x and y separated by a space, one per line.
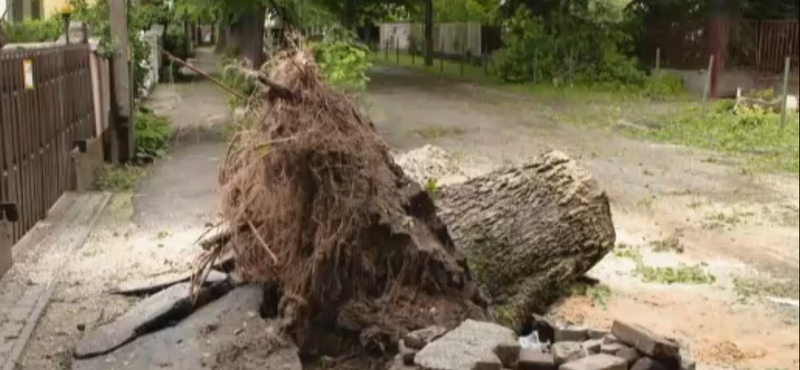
pixel 146 233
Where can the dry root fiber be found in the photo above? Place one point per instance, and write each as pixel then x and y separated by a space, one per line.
pixel 319 211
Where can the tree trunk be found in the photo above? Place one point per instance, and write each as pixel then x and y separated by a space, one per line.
pixel 428 32
pixel 223 38
pixel 349 15
pixel 248 34
pixel 529 232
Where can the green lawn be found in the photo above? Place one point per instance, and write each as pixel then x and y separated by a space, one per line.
pixel 762 144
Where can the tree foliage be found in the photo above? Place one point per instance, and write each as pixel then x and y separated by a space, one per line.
pixel 582 46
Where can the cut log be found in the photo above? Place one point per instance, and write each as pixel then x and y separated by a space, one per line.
pixel 529 231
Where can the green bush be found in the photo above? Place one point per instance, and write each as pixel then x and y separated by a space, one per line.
pixel 152 135
pixel 232 77
pixel 177 44
pixel 95 13
pixel 581 47
pixel 36 30
pixel 343 61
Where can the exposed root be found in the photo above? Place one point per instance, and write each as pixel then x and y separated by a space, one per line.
pixel 331 220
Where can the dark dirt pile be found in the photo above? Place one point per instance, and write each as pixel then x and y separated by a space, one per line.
pixel 318 211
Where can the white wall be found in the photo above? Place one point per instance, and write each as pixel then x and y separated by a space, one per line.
pixel 391 33
pixel 3 7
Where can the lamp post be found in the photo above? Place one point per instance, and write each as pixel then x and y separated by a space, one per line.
pixel 66 14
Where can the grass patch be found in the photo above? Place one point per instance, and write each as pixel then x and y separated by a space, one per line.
pixel 152 135
pixel 747 288
pixel 599 294
pixel 722 220
pixel 755 137
pixel 787 215
pixel 671 244
pixel 435 132
pixel 623 250
pixel 478 74
pixel 682 274
pixel 647 202
pixel 120 179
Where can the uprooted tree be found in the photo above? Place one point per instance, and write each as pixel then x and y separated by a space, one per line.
pixel 529 232
pixel 319 212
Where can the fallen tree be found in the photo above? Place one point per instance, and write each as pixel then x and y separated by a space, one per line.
pixel 351 248
pixel 529 231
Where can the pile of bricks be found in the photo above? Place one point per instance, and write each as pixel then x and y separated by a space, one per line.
pixel 626 347
pixel 487 346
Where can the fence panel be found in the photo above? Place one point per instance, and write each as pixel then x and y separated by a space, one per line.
pixel 46 104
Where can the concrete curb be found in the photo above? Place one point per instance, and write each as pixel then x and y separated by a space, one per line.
pixel 44 298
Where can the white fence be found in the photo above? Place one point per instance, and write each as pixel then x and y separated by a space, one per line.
pixel 449 38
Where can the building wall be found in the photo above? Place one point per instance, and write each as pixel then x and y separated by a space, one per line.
pixel 50 7
pixel 729 81
pixel 3 8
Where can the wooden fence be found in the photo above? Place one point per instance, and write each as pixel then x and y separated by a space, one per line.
pixel 758 46
pixel 46 107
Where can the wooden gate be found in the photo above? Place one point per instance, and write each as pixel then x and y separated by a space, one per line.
pixel 46 106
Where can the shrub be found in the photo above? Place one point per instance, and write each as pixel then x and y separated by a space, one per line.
pixel 342 60
pixel 35 30
pixel 152 135
pixel 581 47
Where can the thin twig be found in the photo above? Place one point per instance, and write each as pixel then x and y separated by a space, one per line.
pixel 216 239
pixel 277 87
pixel 263 243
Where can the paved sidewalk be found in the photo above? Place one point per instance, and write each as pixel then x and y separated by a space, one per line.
pixel 143 234
pixel 39 259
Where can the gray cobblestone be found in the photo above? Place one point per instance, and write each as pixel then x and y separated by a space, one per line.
pixel 20 296
pixel 11 329
pixel 30 296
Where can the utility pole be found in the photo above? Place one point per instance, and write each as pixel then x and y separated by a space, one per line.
pixel 122 134
pixel 428 32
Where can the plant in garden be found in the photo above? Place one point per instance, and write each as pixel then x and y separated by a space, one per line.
pixel 34 30
pixel 343 61
pixel 140 18
pixel 152 135
pixel 583 46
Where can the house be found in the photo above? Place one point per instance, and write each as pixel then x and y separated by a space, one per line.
pixel 20 10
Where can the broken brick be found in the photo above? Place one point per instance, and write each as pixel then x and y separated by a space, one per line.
pixel 420 338
pixel 596 362
pixel 593 345
pixel 597 333
pixel 645 340
pixel 531 359
pixel 571 334
pixel 568 351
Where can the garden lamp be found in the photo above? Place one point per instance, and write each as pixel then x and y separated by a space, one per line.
pixel 66 14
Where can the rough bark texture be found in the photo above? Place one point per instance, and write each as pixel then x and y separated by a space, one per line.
pixel 247 33
pixel 319 211
pixel 529 231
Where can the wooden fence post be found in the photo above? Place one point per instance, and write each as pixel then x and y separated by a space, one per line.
pixel 706 88
pixel 122 138
pixel 6 260
pixel 658 61
pixel 787 65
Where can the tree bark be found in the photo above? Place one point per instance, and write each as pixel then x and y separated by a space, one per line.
pixel 529 232
pixel 428 32
pixel 247 33
pixel 223 38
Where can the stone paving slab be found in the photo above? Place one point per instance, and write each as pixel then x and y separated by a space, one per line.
pixel 224 331
pixel 39 257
